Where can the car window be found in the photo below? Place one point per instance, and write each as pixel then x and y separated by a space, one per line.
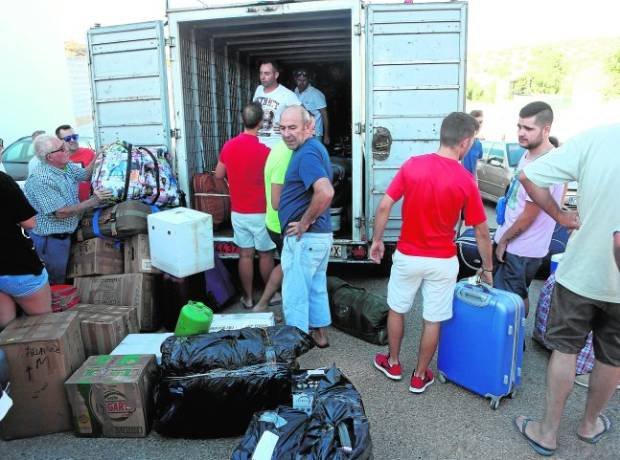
pixel 17 152
pixel 497 152
pixel 515 152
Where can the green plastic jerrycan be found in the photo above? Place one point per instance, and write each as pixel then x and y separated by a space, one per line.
pixel 195 318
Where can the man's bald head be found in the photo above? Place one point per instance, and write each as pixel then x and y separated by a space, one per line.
pixel 296 126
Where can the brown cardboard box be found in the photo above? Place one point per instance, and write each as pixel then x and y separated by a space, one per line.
pixel 95 257
pixel 130 314
pixel 138 255
pixel 101 332
pixel 42 352
pixel 112 396
pixel 136 289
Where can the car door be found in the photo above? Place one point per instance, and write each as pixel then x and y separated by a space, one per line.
pixel 15 158
pixel 482 170
pixel 497 170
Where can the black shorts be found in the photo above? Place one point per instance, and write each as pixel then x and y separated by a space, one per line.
pixel 572 317
pixel 515 273
pixel 277 240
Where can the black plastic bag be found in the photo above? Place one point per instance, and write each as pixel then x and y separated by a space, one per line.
pixel 336 426
pixel 219 403
pixel 288 424
pixel 198 354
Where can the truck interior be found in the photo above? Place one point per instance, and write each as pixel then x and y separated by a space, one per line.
pixel 220 61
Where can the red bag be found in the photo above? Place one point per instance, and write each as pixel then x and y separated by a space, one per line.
pixel 64 297
pixel 212 196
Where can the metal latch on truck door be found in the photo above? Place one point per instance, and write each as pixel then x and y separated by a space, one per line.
pixel 381 143
pixel 175 133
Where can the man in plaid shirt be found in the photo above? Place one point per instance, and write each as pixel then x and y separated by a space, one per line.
pixel 52 190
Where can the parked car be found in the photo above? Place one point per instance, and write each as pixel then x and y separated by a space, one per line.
pixel 17 155
pixel 497 167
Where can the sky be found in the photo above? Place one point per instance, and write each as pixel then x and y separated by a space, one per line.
pixel 493 24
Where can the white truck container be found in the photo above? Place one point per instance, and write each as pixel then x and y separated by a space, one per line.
pixel 397 68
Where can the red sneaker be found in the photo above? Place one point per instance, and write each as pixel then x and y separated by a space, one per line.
pixel 391 371
pixel 418 385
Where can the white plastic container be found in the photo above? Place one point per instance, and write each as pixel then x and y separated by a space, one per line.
pixel 181 241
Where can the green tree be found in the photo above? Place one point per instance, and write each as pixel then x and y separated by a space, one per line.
pixel 544 75
pixel 612 67
pixel 476 92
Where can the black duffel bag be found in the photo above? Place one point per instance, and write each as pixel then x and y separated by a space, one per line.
pixel 357 311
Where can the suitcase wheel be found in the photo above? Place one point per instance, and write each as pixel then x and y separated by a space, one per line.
pixel 441 377
pixel 512 394
pixel 495 403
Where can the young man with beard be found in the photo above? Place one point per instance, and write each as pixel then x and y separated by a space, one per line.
pixel 523 240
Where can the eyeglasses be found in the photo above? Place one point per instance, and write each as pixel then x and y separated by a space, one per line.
pixel 72 137
pixel 62 148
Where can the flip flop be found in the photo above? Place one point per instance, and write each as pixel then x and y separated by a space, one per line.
pixel 275 300
pixel 539 449
pixel 596 438
pixel 246 305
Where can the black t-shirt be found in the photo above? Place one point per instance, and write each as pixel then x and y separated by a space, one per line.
pixel 17 254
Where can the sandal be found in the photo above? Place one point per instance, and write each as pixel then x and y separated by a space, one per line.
pixel 247 305
pixel 597 437
pixel 538 448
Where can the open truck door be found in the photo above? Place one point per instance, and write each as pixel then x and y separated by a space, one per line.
pixel 129 84
pixel 415 76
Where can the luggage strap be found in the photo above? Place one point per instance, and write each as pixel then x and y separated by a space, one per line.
pixel 97 230
pixel 460 246
pixel 157 179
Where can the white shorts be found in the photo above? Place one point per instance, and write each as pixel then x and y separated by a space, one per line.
pixel 437 278
pixel 251 232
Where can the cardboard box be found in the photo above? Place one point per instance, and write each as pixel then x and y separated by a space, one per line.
pixel 138 255
pixel 130 314
pixel 142 344
pixel 112 396
pixel 42 352
pixel 135 289
pixel 232 321
pixel 95 257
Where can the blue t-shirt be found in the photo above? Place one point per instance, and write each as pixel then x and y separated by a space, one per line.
pixel 309 163
pixel 471 158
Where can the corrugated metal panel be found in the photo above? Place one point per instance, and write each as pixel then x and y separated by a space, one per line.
pixel 129 84
pixel 415 76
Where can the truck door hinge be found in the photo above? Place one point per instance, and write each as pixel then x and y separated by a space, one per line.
pixel 358 29
pixel 360 128
pixel 170 41
pixel 175 133
pixel 360 222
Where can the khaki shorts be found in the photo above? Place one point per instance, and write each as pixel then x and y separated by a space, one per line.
pixel 572 317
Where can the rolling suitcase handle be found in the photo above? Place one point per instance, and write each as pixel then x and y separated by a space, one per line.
pixel 480 297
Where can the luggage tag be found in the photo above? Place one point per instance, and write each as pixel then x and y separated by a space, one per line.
pixel 265 446
pixel 5 402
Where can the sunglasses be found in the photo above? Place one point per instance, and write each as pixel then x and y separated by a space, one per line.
pixel 72 137
pixel 302 74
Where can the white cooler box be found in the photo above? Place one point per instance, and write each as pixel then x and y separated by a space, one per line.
pixel 181 241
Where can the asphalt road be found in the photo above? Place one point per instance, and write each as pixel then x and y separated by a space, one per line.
pixel 446 422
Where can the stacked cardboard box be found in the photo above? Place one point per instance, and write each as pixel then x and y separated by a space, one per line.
pixel 42 352
pixel 111 396
pixel 131 289
pixel 138 255
pixel 103 327
pixel 95 257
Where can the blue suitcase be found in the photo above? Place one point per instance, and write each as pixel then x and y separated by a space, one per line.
pixel 481 346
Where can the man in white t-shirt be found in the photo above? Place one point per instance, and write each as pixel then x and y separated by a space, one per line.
pixel 273 98
pixel 314 102
pixel 586 296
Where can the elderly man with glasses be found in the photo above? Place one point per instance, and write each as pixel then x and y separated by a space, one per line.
pixel 52 190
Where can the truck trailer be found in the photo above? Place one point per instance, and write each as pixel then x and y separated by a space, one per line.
pixel 390 73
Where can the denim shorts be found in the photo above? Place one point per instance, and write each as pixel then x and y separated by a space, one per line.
pixel 250 232
pixel 22 285
pixel 515 273
pixel 304 288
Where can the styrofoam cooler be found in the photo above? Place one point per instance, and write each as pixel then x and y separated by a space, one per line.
pixel 481 346
pixel 181 241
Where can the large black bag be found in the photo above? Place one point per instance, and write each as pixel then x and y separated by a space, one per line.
pixel 357 311
pixel 467 253
pixel 233 349
pixel 334 427
pixel 219 403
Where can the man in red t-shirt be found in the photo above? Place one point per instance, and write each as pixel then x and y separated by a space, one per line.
pixel 80 155
pixel 436 190
pixel 243 160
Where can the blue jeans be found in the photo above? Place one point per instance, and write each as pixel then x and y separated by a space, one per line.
pixel 304 288
pixel 54 253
